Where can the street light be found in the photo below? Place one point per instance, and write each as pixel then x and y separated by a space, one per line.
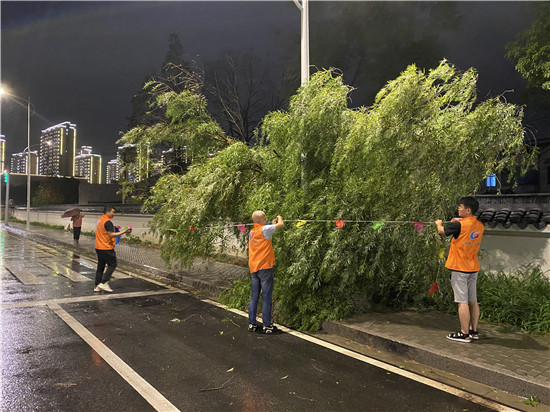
pixel 304 8
pixel 2 92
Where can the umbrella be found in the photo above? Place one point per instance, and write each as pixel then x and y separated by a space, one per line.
pixel 71 212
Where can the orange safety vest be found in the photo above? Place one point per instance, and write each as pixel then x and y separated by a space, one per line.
pixel 260 250
pixel 103 240
pixel 463 254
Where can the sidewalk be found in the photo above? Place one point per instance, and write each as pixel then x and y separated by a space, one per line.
pixel 510 361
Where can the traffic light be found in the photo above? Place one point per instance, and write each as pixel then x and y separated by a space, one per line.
pixel 5 178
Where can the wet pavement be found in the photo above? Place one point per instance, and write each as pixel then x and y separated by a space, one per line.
pixel 150 346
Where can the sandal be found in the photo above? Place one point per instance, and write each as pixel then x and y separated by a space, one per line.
pixel 459 337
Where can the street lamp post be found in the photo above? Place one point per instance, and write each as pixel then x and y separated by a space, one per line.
pixel 28 101
pixel 29 164
pixel 304 8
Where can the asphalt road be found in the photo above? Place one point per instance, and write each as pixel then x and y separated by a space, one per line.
pixel 147 347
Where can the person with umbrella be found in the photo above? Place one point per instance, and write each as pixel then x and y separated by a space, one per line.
pixel 76 216
pixel 77 226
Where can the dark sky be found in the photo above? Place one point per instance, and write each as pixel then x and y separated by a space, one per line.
pixel 83 61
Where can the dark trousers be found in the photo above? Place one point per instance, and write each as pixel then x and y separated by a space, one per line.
pixel 76 233
pixel 105 257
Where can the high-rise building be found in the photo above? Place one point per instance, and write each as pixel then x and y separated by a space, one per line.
pixel 19 163
pixel 88 165
pixel 57 150
pixel 112 171
pixel 2 153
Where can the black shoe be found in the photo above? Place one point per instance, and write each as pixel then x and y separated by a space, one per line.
pixel 252 328
pixel 473 334
pixel 271 329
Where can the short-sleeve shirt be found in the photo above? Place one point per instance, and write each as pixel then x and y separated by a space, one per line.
pixel 453 229
pixel 109 227
pixel 268 231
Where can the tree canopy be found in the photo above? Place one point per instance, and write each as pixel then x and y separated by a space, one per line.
pixel 531 50
pixel 423 144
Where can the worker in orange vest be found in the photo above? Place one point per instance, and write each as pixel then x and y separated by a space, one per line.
pixel 467 232
pixel 105 249
pixel 261 260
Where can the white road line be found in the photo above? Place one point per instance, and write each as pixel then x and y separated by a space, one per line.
pixel 386 366
pixel 24 275
pixel 90 298
pixel 144 388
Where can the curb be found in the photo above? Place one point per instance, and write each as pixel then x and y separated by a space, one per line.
pixel 508 382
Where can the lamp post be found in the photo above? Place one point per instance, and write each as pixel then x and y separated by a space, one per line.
pixel 28 101
pixel 304 8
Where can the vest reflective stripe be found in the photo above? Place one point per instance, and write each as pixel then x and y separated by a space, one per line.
pixel 103 240
pixel 260 250
pixel 463 254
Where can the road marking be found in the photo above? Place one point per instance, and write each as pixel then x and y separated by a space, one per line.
pixel 91 298
pixel 144 388
pixel 386 366
pixel 25 276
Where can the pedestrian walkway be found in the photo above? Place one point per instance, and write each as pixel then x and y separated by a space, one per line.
pixel 511 361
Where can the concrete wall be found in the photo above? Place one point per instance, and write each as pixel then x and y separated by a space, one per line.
pixel 94 194
pixel 506 249
pixel 139 222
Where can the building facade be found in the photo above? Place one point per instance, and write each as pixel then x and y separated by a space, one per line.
pixel 88 165
pixel 112 174
pixel 19 163
pixel 57 150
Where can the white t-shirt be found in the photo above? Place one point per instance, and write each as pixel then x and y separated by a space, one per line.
pixel 268 230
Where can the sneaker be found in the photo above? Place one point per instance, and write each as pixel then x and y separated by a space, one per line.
pixel 105 286
pixel 473 334
pixel 252 328
pixel 97 289
pixel 268 330
pixel 459 337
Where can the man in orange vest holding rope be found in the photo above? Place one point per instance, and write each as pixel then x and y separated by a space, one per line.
pixel 261 260
pixel 467 232
pixel 105 248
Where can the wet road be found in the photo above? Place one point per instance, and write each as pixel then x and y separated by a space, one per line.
pixel 147 347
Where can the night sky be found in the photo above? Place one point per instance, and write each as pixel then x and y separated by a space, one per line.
pixel 83 61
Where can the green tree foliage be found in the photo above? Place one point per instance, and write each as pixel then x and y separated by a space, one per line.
pixel 531 50
pixel 186 128
pixel 422 145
